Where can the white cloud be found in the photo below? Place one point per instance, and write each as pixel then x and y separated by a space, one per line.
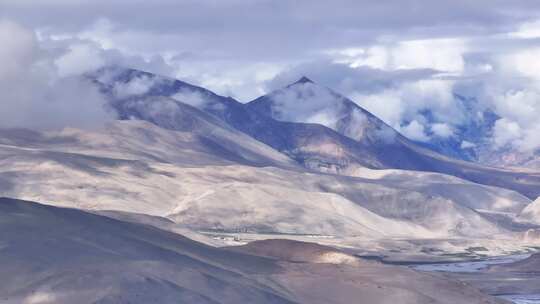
pixel 405 102
pixel 226 77
pixel 190 97
pixel 500 61
pixel 34 94
pixel 197 99
pixel 467 145
pixel 97 46
pixel 79 59
pixel 19 49
pixel 531 138
pixel 415 131
pixel 378 57
pixel 102 32
pixel 40 297
pixel 528 30
pixel 433 94
pixel 504 79
pixel 357 125
pixel 438 54
pixel 136 86
pixel 519 109
pixel 506 132
pixel 524 61
pixel 387 105
pixel 519 105
pixel 307 102
pixel 442 130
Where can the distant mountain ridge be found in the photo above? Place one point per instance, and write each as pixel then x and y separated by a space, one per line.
pixel 311 124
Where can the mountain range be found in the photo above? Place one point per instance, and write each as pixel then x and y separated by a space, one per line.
pixel 181 195
pixel 182 153
pixel 313 125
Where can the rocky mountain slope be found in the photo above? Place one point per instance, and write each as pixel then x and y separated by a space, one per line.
pixel 135 166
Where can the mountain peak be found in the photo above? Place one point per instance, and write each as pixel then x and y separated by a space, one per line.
pixel 304 79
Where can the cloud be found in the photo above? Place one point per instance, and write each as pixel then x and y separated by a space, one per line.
pixel 415 131
pixel 265 24
pixel 197 99
pixel 518 105
pixel 387 105
pixel 82 53
pixel 410 100
pixel 407 54
pixel 524 62
pixel 136 86
pixel 442 130
pixel 241 81
pixel 307 102
pixel 228 42
pixel 345 79
pixel 497 73
pixel 143 84
pixel 415 54
pixel 35 94
pixel 79 59
pixel 403 60
pixel 360 123
pixel 528 30
pixel 19 54
pixel 467 145
pixel 190 97
pixel 312 103
pixel 520 126
pixel 506 132
pixel 395 96
pixel 530 140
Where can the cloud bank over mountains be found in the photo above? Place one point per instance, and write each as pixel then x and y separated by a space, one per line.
pixel 35 93
pixel 405 61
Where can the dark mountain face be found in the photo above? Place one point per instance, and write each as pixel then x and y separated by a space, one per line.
pixel 160 100
pixel 164 104
pixel 313 125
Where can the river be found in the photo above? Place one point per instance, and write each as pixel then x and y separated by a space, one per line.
pixel 479 265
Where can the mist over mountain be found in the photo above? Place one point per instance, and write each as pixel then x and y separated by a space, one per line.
pixel 468 118
pixel 473 139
